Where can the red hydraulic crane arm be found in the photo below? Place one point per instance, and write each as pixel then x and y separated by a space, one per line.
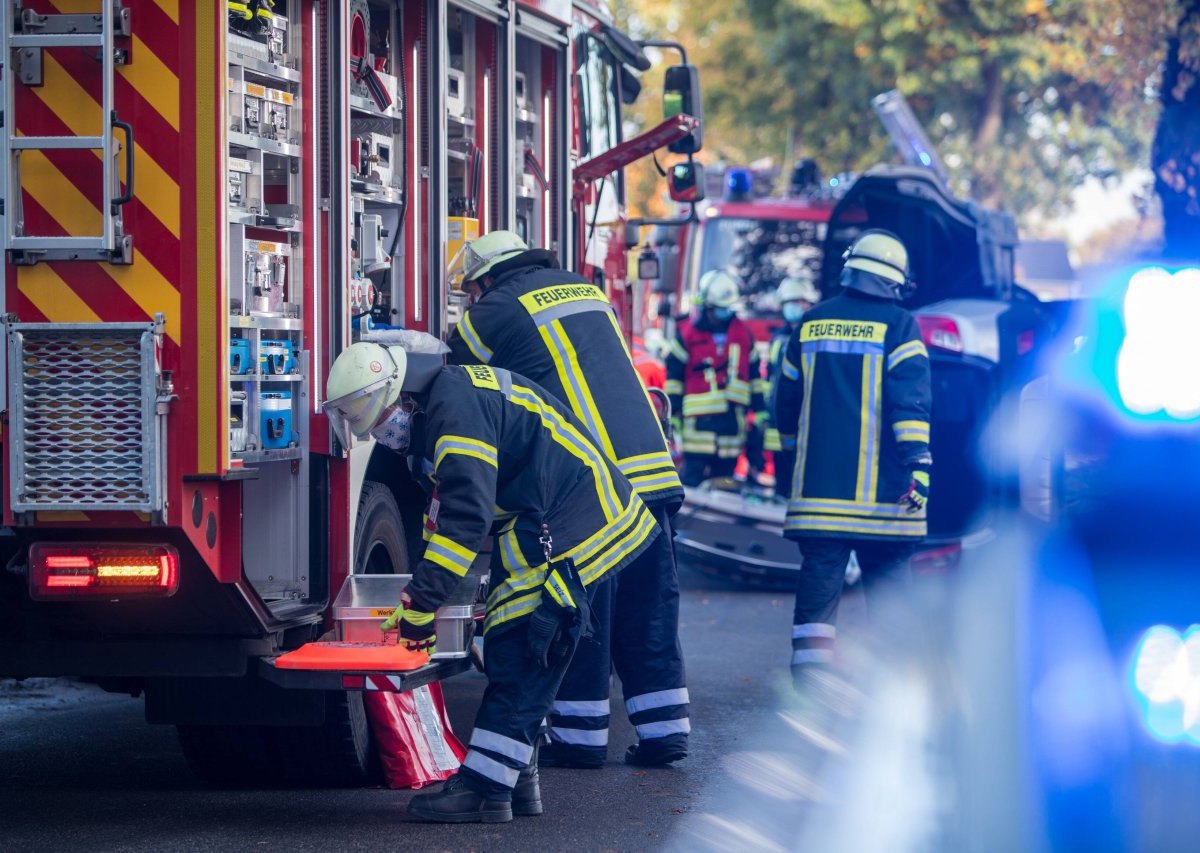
pixel 632 150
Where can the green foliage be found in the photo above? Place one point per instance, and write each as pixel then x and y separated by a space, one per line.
pixel 1024 98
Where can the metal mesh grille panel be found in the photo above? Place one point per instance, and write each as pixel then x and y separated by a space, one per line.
pixel 81 429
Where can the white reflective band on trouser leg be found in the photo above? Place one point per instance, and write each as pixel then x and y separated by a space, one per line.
pixel 582 708
pixel 492 769
pixel 658 699
pixel 803 656
pixel 580 737
pixel 648 731
pixel 813 629
pixel 505 746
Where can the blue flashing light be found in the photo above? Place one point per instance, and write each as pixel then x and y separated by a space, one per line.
pixel 739 183
pixel 926 160
pixel 1165 680
pixel 833 182
pixel 1139 349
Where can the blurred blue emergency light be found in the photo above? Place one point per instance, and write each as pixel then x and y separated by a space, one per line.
pixel 739 184
pixel 1158 366
pixel 1165 680
pixel 1141 348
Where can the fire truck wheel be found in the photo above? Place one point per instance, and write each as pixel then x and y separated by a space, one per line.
pixel 230 756
pixel 380 547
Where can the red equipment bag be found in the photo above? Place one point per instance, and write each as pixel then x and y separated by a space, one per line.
pixel 413 734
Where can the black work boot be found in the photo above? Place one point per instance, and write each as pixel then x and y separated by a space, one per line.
pixel 456 803
pixel 527 796
pixel 658 752
pixel 555 754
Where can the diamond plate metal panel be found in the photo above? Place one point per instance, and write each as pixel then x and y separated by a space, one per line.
pixel 85 433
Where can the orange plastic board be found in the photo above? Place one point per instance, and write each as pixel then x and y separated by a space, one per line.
pixel 353 657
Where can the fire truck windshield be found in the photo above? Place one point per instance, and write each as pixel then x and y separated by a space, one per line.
pixel 761 252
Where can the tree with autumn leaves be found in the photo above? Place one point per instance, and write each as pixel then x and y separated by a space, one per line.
pixel 1177 142
pixel 1025 99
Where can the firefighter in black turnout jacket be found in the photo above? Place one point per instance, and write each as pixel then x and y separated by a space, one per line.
pixel 854 387
pixel 549 324
pixel 507 459
pixel 796 294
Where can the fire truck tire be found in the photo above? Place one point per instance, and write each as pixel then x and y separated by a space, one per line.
pixel 380 546
pixel 230 756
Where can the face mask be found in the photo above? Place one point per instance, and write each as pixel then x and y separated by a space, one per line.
pixel 722 314
pixel 395 431
pixel 793 312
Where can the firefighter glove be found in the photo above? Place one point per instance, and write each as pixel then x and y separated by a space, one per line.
pixel 543 629
pixel 917 496
pixel 417 631
pixel 676 428
pixel 392 621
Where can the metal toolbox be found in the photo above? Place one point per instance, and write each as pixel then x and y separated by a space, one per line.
pixel 366 600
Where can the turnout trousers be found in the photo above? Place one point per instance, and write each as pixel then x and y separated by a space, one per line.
pixel 885 570
pixel 785 470
pixel 636 624
pixel 698 467
pixel 513 712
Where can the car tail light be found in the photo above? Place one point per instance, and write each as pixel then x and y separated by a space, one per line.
pixel 940 332
pixel 102 570
pixel 937 561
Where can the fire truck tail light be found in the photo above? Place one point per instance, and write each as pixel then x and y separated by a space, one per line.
pixel 109 571
pixel 940 332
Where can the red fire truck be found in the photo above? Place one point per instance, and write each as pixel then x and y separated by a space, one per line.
pixel 203 203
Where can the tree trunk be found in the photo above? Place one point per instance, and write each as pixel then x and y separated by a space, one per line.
pixel 1176 154
pixel 987 131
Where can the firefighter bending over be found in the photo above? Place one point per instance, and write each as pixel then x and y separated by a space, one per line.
pixel 560 330
pixel 711 366
pixel 854 386
pixel 796 294
pixel 508 459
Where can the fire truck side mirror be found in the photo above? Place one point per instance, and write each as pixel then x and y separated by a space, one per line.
pixel 648 266
pixel 685 182
pixel 631 86
pixel 681 95
pixel 626 50
pixel 668 269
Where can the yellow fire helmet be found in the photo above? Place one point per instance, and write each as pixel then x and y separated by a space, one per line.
pixel 879 252
pixel 366 379
pixel 478 256
pixel 798 288
pixel 718 289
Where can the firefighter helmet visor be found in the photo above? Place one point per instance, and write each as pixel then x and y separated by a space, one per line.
pixel 478 256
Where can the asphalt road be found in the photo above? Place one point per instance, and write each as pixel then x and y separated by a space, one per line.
pixel 80 769
pixel 947 740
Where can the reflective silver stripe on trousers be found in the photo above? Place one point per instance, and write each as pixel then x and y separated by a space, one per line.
pixel 813 629
pixel 505 746
pixel 658 699
pixel 580 708
pixel 492 769
pixel 648 731
pixel 580 737
pixel 803 656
